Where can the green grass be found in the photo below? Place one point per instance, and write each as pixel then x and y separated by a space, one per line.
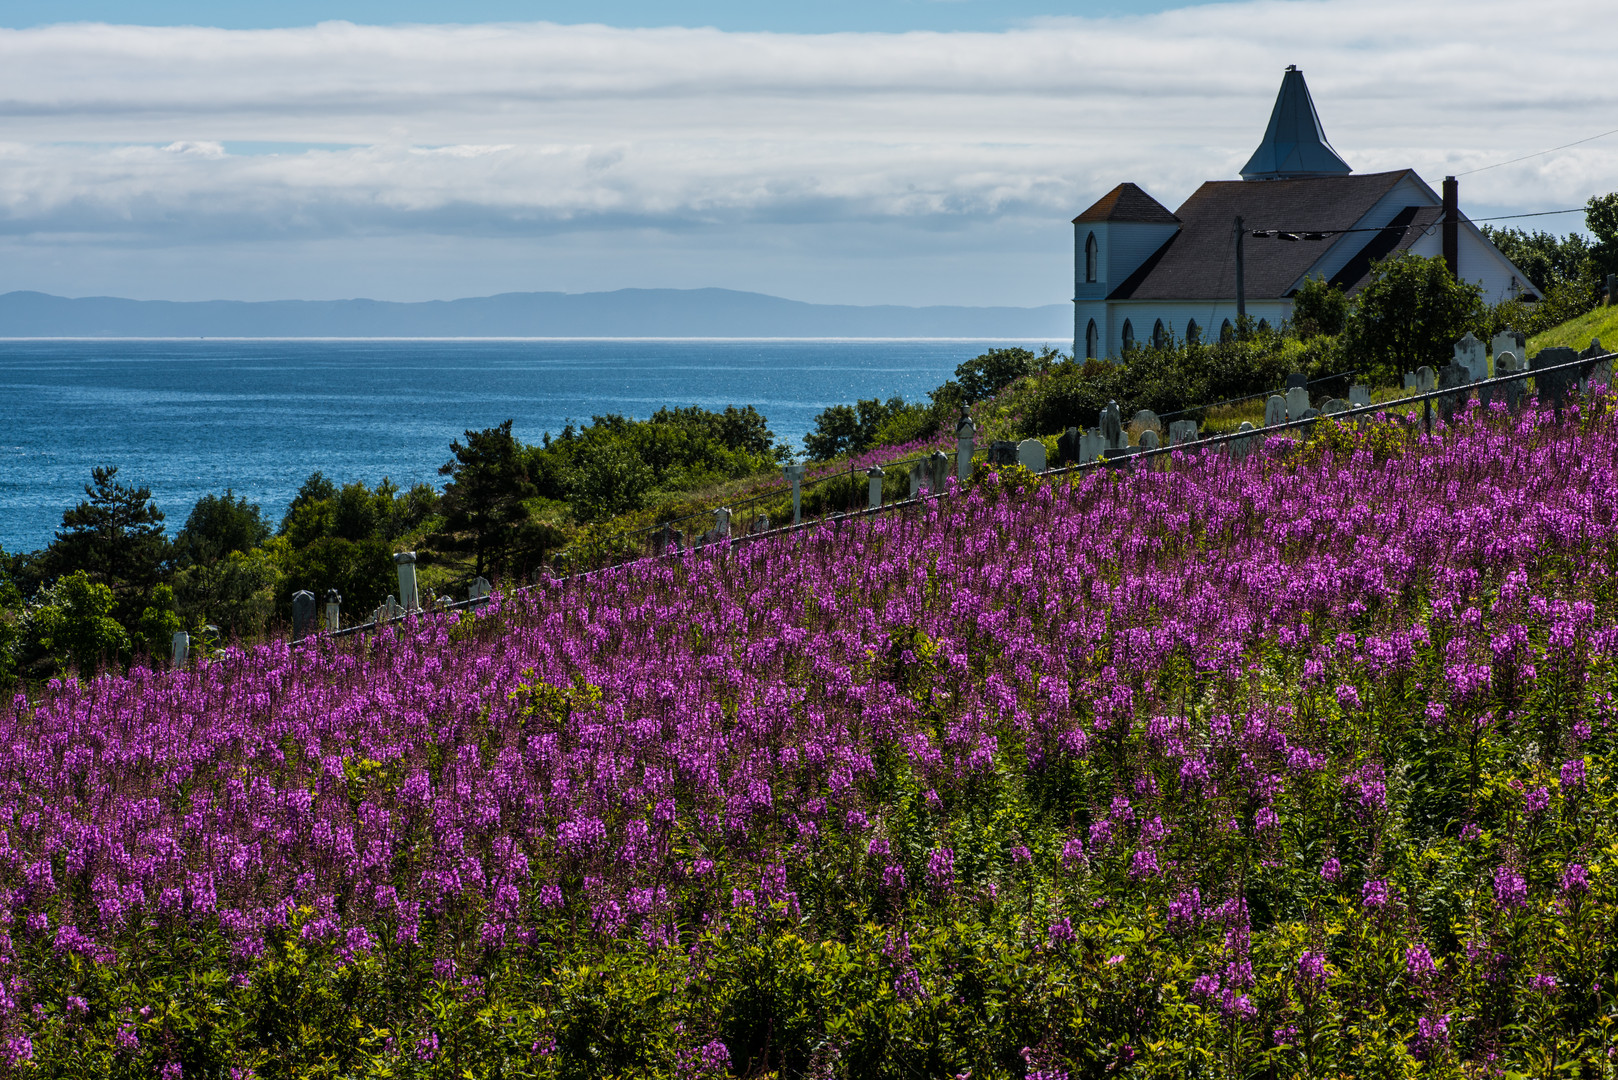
pixel 1601 323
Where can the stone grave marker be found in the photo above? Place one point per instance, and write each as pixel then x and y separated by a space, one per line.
pixel 1473 357
pixel 1510 341
pixel 1239 448
pixel 1410 380
pixel 181 648
pixel 334 610
pixel 1359 396
pixel 1588 373
pixel 918 478
pixel 1332 406
pixel 1148 441
pixel 965 433
pixel 1553 388
pixel 875 474
pixel 1146 420
pixel 794 475
pixel 1067 447
pixel 1426 379
pixel 1092 446
pixel 1003 452
pixel 940 462
pixel 303 614
pixel 761 524
pixel 409 598
pixel 1031 455
pixel 1297 403
pixel 1112 426
pixel 1275 410
pixel 1453 377
pixel 1182 432
pixel 1297 379
pixel 1508 363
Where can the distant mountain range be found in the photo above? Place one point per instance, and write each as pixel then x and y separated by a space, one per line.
pixel 695 313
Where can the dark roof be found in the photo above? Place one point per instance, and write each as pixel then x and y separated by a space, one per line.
pixel 1127 202
pixel 1294 144
pixel 1199 261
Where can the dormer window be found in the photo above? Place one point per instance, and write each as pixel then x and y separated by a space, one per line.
pixel 1091 251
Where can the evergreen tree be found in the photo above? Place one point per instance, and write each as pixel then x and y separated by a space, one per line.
pixel 115 536
pixel 483 503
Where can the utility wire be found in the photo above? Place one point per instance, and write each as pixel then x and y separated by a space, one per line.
pixel 1321 234
pixel 1539 153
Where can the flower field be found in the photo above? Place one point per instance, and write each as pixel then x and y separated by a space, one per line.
pixel 1301 766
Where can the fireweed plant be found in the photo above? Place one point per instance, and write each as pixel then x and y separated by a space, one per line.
pixel 1299 766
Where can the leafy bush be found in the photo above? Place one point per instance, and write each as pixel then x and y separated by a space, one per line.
pixel 1411 313
pixel 1318 308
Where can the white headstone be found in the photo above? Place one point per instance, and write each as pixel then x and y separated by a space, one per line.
pixel 1426 379
pixel 182 647
pixel 1470 354
pixel 794 476
pixel 1240 447
pixel 918 478
pixel 409 599
pixel 478 589
pixel 721 523
pixel 1148 440
pixel 875 474
pixel 1507 341
pixel 1112 426
pixel 1275 410
pixel 1092 446
pixel 965 432
pixel 1410 380
pixel 1334 405
pixel 1031 455
pixel 1146 420
pixel 1359 396
pixel 1297 402
pixel 940 480
pixel 1182 432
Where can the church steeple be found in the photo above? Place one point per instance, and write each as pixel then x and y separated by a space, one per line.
pixel 1294 146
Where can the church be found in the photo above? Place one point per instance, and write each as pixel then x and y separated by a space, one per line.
pixel 1145 273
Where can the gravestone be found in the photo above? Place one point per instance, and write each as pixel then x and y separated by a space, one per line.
pixel 794 476
pixel 303 614
pixel 1239 448
pixel 1359 396
pixel 409 598
pixel 1146 420
pixel 760 525
pixel 1453 377
pixel 965 433
pixel 721 523
pixel 478 589
pixel 1508 341
pixel 940 462
pixel 1182 432
pixel 1148 441
pixel 1275 410
pixel 875 474
pixel 1410 380
pixel 1003 452
pixel 1332 406
pixel 1553 388
pixel 1112 426
pixel 1509 363
pixel 181 648
pixel 1426 379
pixel 1092 446
pixel 1297 379
pixel 1297 402
pixel 1592 372
pixel 1067 447
pixel 334 610
pixel 1031 455
pixel 918 478
pixel 1309 413
pixel 1473 357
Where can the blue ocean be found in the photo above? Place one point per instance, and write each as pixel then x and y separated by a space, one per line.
pixel 187 418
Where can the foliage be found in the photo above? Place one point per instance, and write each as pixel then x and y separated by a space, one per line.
pixel 218 526
pixel 987 374
pixel 73 624
pixel 354 512
pixel 1122 777
pixel 362 572
pixel 158 623
pixel 612 479
pixel 1411 313
pixel 1562 303
pixel 1601 218
pixel 848 429
pixel 115 537
pixel 1548 260
pixel 237 593
pixel 1601 322
pixel 1318 308
pixel 483 503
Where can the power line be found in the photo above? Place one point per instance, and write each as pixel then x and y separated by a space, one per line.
pixel 1539 153
pixel 1321 234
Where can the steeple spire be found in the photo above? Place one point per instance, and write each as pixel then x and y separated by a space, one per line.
pixel 1294 146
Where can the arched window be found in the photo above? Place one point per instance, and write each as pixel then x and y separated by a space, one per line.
pixel 1129 336
pixel 1160 337
pixel 1092 341
pixel 1264 324
pixel 1227 331
pixel 1193 332
pixel 1091 250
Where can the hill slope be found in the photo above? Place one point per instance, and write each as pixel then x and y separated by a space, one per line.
pixel 624 313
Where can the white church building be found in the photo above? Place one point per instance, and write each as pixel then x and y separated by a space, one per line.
pixel 1144 273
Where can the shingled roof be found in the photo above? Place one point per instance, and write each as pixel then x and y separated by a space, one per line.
pixel 1127 202
pixel 1199 261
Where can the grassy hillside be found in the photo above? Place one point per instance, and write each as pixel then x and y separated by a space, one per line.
pixel 1576 333
pixel 1301 766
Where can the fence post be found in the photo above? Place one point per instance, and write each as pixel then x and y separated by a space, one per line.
pixel 182 647
pixel 965 431
pixel 303 614
pixel 334 614
pixel 794 473
pixel 875 475
pixel 409 599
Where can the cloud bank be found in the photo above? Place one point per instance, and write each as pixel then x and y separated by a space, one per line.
pixel 476 138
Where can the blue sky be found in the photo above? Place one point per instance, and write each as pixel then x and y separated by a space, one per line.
pixel 925 152
pixel 819 17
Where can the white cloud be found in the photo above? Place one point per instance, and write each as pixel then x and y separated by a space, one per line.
pixel 522 130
